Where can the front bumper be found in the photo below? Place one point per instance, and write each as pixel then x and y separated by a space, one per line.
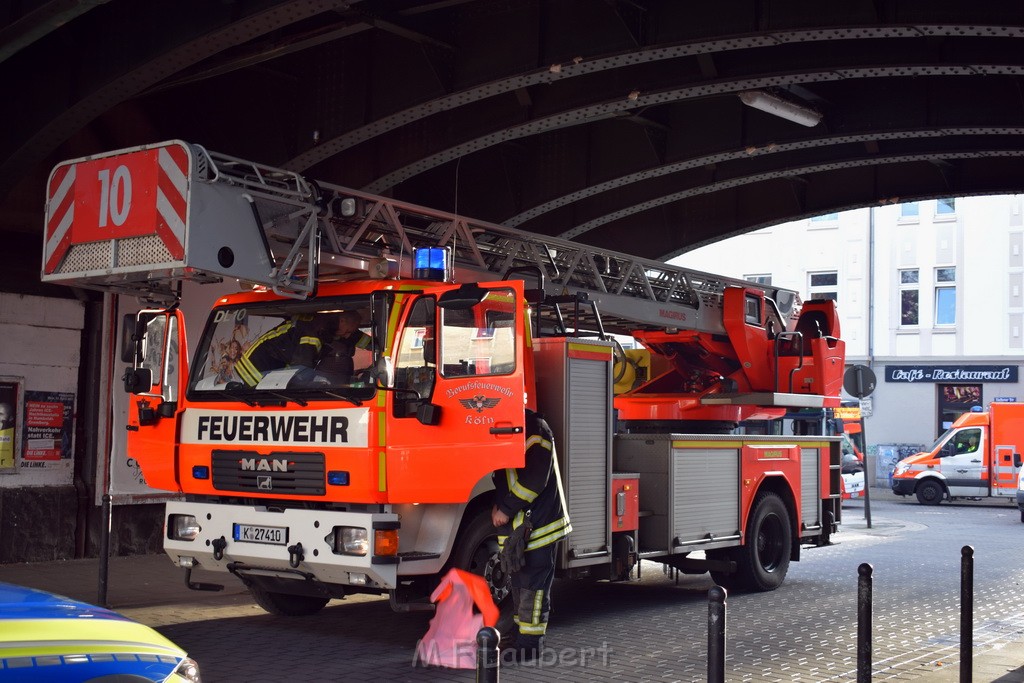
pixel 903 487
pixel 217 547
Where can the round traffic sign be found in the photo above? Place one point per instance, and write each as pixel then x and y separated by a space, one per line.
pixel 859 381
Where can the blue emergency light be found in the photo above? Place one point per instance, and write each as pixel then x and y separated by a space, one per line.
pixel 432 263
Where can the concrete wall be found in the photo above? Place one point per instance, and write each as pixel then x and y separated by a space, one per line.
pixel 47 508
pixel 40 344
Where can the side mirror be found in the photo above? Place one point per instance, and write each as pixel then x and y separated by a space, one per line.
pixel 533 295
pixel 428 414
pixel 137 380
pixel 465 297
pixel 384 371
pixel 133 329
pixel 1017 460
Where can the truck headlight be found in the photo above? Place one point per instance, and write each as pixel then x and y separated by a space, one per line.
pixel 901 469
pixel 1020 483
pixel 183 528
pixel 351 540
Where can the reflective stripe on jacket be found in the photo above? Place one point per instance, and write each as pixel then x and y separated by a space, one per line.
pixel 533 488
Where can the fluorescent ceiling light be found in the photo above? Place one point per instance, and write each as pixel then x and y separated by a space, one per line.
pixel 758 99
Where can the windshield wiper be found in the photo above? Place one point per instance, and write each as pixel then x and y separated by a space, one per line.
pixel 285 397
pixel 350 399
pixel 232 390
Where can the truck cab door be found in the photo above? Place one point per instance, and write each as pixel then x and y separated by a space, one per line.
pixel 154 343
pixel 962 463
pixel 457 411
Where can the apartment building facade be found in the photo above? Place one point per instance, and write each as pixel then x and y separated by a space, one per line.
pixel 930 294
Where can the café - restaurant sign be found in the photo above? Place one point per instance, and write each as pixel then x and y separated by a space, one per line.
pixel 950 373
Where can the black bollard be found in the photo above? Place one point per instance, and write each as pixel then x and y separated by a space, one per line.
pixel 101 597
pixel 864 623
pixel 966 613
pixel 716 634
pixel 487 640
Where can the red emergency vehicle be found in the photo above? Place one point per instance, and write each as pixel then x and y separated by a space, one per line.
pixel 977 457
pixel 313 483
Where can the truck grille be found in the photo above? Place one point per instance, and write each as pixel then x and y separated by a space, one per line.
pixel 274 473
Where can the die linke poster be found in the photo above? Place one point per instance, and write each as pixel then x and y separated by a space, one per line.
pixel 49 425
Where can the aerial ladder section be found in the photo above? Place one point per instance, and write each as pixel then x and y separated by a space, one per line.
pixel 220 217
pixel 142 221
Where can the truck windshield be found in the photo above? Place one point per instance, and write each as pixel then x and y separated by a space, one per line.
pixel 293 351
pixel 939 441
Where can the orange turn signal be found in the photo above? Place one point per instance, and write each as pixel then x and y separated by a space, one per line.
pixel 385 542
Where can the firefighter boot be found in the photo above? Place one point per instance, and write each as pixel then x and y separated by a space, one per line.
pixel 528 648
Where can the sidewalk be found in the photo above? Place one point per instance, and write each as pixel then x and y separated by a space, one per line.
pixel 996 665
pixel 138 583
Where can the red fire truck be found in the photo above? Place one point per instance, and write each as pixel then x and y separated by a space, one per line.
pixel 313 480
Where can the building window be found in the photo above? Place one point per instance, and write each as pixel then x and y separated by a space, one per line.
pixel 909 212
pixel 759 279
pixel 954 401
pixel 945 296
pixel 909 297
pixel 945 207
pixel 825 218
pixel 823 285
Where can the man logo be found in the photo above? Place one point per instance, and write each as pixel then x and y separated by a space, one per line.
pixel 264 464
pixel 265 483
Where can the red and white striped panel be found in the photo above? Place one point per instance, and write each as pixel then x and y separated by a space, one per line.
pixel 60 214
pixel 171 202
pixel 131 193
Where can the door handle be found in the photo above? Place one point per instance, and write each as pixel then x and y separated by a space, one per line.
pixel 962 471
pixel 506 430
pixel 975 461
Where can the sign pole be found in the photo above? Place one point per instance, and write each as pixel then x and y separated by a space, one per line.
pixel 859 381
pixel 867 487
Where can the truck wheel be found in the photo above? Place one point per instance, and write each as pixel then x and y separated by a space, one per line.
pixel 930 492
pixel 285 605
pixel 475 547
pixel 762 563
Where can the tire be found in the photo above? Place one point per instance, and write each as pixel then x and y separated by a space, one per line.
pixel 930 492
pixel 476 546
pixel 285 605
pixel 762 563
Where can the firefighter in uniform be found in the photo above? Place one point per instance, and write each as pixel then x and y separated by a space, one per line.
pixel 293 342
pixel 325 341
pixel 336 358
pixel 532 494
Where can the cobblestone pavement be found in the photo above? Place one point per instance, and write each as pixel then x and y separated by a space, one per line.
pixel 653 629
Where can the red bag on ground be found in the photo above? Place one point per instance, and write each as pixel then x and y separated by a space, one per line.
pixel 451 637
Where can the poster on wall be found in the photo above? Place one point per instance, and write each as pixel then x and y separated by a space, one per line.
pixel 11 398
pixel 49 426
